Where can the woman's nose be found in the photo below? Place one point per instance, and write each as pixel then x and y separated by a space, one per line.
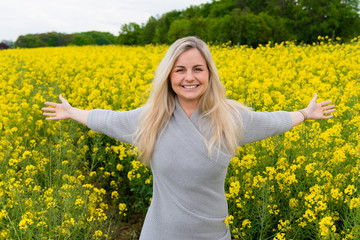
pixel 189 76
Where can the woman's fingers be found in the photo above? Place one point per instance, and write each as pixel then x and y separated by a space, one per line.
pixel 329 106
pixel 53 104
pixel 325 103
pixel 314 98
pixel 320 110
pixel 48 109
pixel 328 117
pixel 329 111
pixel 50 104
pixel 56 111
pixel 50 115
pixel 52 118
pixel 62 99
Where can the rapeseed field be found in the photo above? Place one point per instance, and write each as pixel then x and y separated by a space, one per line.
pixel 60 180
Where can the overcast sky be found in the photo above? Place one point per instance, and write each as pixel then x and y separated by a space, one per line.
pixel 20 17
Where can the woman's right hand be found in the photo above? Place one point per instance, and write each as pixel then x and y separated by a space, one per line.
pixel 57 111
pixel 63 110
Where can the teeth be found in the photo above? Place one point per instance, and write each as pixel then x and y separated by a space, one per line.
pixel 190 87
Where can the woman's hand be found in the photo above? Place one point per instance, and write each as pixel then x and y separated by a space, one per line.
pixel 320 110
pixel 313 111
pixel 63 110
pixel 57 111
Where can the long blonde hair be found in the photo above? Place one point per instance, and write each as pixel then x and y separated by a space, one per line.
pixel 222 113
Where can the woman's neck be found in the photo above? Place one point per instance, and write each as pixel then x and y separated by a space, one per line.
pixel 189 107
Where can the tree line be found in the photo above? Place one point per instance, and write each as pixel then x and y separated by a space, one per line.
pixel 251 22
pixel 52 39
pixel 243 22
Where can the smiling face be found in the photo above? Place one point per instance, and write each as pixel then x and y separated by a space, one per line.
pixel 189 77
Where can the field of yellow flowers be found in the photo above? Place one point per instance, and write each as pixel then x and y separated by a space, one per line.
pixel 60 180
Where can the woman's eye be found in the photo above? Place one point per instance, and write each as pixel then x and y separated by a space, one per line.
pixel 198 69
pixel 179 70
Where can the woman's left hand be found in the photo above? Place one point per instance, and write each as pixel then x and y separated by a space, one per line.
pixel 320 110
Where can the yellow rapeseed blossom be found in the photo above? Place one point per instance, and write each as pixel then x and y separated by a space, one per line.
pixel 280 236
pixel 2 214
pixel 246 224
pixel 122 209
pixel 229 220
pixel 302 182
pixel 327 226
pixel 350 190
pixel 97 234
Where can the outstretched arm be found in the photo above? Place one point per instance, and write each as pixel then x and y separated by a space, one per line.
pixel 313 111
pixel 63 110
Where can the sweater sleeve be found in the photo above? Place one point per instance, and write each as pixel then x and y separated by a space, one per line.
pixel 261 125
pixel 120 125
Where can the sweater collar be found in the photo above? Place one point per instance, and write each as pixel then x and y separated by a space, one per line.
pixel 194 116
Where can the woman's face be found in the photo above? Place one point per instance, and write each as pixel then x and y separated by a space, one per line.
pixel 189 77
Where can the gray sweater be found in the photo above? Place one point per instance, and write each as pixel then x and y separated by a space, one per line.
pixel 188 186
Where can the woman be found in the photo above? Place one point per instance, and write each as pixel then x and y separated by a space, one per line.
pixel 187 132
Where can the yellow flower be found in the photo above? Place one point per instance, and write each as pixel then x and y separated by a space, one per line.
pixel 350 190
pixel 115 195
pixel 229 220
pixel 97 234
pixel 25 223
pixel 2 214
pixel 122 209
pixel 280 236
pixel 294 203
pixel 354 203
pixel 79 202
pixel 119 167
pixel 246 224
pixel 326 226
pixel 309 215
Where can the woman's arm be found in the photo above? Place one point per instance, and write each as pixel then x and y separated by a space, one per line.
pixel 261 125
pixel 313 111
pixel 120 125
pixel 63 110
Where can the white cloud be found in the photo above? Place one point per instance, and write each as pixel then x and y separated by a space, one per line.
pixel 19 17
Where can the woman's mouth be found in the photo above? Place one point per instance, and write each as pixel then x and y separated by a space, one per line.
pixel 189 86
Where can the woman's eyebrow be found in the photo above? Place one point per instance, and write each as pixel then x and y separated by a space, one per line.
pixel 197 65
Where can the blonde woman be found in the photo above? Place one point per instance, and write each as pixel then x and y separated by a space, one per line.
pixel 187 132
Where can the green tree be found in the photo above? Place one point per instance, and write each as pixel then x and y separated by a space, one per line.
pixel 100 38
pixel 310 19
pixel 52 39
pixel 82 40
pixel 198 27
pixel 192 12
pixel 221 8
pixel 252 22
pixel 148 31
pixel 29 41
pixel 130 34
pixel 219 30
pixel 179 28
pixel 164 23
